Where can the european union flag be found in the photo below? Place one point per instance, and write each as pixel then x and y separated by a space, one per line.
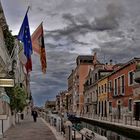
pixel 24 36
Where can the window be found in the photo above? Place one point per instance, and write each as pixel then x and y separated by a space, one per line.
pixel 130 78
pixel 87 110
pixel 115 87
pixel 110 107
pixel 99 108
pixel 99 90
pixel 122 85
pixel 102 89
pixel 119 85
pixel 105 87
pixel 90 81
pixel 130 105
pixel 110 86
pixel 96 77
pixel 96 93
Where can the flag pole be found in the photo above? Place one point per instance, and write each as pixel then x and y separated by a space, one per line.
pixel 28 9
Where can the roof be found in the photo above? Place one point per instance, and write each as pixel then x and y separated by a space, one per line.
pixel 85 59
pixel 63 92
pixel 71 74
pixel 121 67
pixel 108 67
pixel 126 64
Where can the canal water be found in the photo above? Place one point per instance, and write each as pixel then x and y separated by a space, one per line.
pixel 107 133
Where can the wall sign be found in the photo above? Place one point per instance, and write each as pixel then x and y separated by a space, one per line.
pixel 7 82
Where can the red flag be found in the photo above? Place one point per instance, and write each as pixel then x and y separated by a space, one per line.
pixel 28 65
pixel 39 46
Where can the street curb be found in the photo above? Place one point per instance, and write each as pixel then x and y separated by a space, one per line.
pixel 57 135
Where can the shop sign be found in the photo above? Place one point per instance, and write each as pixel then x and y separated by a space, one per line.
pixel 7 82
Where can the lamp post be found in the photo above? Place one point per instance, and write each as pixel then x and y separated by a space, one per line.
pixel 12 72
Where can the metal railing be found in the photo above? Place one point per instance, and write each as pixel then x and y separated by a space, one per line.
pixel 70 132
pixel 122 119
pixel 81 136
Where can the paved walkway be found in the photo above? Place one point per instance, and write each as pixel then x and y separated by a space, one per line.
pixel 29 130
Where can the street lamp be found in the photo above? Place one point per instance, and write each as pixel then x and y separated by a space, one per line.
pixel 12 72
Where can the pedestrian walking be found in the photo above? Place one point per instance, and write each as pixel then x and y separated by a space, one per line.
pixel 35 115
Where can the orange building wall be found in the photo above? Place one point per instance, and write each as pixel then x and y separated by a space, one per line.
pixel 83 70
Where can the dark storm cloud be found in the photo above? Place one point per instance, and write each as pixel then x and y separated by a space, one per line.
pixel 109 50
pixel 69 17
pixel 108 22
pixel 79 25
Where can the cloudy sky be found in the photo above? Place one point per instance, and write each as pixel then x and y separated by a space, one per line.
pixel 73 27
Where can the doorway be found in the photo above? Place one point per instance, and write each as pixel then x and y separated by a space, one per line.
pixel 137 110
pixel 105 109
pixel 119 109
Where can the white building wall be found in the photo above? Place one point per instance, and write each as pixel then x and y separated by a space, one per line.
pixel 4 68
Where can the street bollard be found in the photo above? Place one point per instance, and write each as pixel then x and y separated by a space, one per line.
pixel 74 134
pixel 68 130
pixel 58 124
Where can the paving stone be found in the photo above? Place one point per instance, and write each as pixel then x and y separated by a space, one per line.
pixel 29 130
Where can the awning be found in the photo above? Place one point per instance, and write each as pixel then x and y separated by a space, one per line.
pixel 4 97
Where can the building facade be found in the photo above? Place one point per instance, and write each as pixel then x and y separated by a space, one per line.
pixel 5 66
pixel 63 102
pixel 102 96
pixel 57 103
pixel 84 63
pixel 70 96
pixel 121 89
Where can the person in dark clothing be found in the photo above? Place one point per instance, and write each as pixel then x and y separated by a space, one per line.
pixel 35 115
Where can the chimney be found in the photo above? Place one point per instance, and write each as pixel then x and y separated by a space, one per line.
pixel 110 61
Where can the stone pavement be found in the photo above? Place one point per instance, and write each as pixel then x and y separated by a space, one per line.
pixel 29 130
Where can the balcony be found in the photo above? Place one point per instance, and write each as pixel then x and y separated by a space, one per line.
pixel 137 76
